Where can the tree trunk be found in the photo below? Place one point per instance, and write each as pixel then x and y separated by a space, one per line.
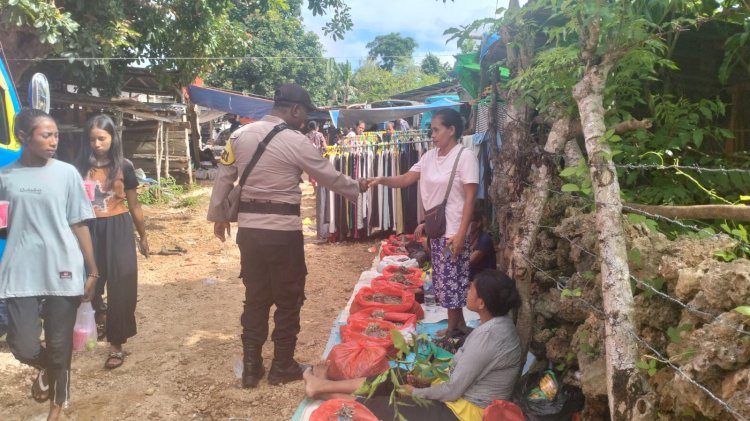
pixel 532 204
pixel 21 44
pixel 194 136
pixel 624 382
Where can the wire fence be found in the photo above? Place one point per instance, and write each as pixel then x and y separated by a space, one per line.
pixel 708 317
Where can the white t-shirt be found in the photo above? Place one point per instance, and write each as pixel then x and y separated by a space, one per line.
pixel 435 171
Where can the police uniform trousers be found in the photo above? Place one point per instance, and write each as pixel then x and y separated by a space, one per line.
pixel 273 270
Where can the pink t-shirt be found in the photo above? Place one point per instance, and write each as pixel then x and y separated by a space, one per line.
pixel 435 171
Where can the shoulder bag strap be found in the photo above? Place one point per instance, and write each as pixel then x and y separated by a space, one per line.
pixel 259 151
pixel 453 175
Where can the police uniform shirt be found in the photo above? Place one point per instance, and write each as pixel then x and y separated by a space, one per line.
pixel 276 176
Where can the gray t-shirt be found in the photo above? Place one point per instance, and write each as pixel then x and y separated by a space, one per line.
pixel 42 255
pixel 485 368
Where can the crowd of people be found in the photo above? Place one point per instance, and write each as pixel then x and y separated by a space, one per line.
pixel 71 237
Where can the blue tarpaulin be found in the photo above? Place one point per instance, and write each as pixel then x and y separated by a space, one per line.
pixel 236 103
pixel 349 118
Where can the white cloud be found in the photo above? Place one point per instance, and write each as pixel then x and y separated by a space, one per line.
pixel 423 20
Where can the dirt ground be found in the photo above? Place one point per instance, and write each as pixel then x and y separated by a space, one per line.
pixel 182 362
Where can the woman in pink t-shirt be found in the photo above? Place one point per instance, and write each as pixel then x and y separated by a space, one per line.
pixel 450 252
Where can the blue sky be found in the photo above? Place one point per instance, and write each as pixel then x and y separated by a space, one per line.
pixel 423 20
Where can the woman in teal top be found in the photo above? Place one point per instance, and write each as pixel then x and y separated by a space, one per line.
pixel 43 263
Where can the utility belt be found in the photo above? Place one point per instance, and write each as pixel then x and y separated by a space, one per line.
pixel 274 208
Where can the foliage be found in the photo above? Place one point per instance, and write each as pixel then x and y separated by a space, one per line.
pixel 338 86
pixel 273 35
pixel 375 83
pixel 387 50
pixel 648 364
pixel 423 367
pixel 431 65
pixel 741 249
pixel 133 30
pixel 166 192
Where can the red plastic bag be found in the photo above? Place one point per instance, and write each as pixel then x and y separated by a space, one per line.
pixel 357 331
pixel 367 298
pixel 386 282
pixel 391 250
pixel 391 270
pixel 350 360
pixel 335 409
pixel 500 410
pixel 402 321
pixel 402 239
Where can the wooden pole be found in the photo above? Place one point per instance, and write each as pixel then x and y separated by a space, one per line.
pixel 187 153
pixel 157 154
pixel 166 151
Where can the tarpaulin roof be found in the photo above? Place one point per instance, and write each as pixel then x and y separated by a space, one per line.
pixel 349 118
pixel 236 103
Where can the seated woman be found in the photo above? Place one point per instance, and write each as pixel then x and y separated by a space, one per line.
pixel 484 369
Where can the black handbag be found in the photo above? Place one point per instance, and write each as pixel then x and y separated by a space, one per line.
pixel 434 219
pixel 230 206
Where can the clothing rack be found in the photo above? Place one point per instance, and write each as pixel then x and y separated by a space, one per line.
pixel 337 148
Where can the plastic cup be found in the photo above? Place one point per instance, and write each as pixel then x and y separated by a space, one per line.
pixel 80 336
pixel 4 204
pixel 89 186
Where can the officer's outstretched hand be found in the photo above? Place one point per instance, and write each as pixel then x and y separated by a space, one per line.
pixel 363 184
pixel 222 228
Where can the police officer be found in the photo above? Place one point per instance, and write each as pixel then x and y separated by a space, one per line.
pixel 270 230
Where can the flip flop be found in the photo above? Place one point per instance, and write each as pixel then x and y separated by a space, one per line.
pixel 114 360
pixel 40 387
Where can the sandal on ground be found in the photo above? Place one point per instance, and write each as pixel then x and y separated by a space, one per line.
pixel 40 387
pixel 114 360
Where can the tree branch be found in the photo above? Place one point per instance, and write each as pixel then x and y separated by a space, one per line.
pixel 730 212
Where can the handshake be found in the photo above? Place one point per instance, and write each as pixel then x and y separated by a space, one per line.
pixel 366 183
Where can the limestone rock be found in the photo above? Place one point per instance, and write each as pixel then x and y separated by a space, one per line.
pixel 727 285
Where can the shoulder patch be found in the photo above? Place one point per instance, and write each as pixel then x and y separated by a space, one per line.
pixel 227 157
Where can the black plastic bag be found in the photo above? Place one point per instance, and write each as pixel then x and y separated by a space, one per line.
pixel 568 400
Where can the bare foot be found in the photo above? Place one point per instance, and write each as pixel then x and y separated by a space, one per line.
pixel 320 370
pixel 441 332
pixel 311 383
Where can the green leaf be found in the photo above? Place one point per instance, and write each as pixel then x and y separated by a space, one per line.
pixel 744 310
pixel 399 342
pixel 636 218
pixel 643 365
pixel 570 188
pixel 569 172
pixel 744 198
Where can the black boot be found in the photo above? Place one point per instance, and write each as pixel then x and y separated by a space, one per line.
pixel 284 368
pixel 253 367
pixel 286 372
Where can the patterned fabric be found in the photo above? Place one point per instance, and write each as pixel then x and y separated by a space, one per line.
pixel 449 278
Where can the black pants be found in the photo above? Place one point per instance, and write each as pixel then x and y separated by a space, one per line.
pixel 114 249
pixel 379 404
pixel 24 329
pixel 273 271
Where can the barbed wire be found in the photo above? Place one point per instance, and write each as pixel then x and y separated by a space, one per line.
pixel 679 371
pixel 228 58
pixel 656 352
pixel 646 285
pixel 681 167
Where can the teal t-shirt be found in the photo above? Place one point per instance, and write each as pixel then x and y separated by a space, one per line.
pixel 42 255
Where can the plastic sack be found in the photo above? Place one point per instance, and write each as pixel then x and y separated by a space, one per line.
pixel 400 240
pixel 408 284
pixel 402 321
pixel 357 331
pixel 340 409
pixel 365 299
pixel 567 402
pixel 350 360
pixel 391 250
pixel 404 261
pixel 500 410
pixel 392 270
pixel 84 331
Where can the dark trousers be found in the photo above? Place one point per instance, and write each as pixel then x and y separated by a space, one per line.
pixel 273 271
pixel 381 406
pixel 24 329
pixel 114 249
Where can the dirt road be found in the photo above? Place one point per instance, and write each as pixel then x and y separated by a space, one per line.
pixel 182 362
